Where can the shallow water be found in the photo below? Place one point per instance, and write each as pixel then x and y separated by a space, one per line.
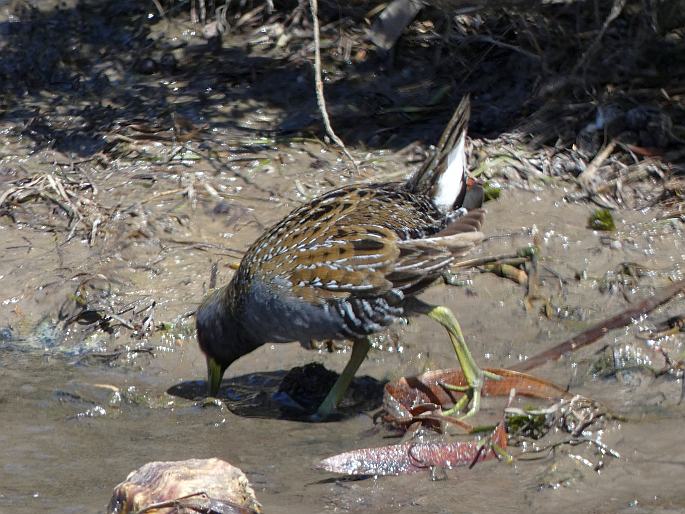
pixel 72 429
pixel 83 403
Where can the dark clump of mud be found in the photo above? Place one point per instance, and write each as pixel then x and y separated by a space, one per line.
pixel 146 145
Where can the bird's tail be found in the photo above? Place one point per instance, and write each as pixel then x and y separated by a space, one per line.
pixel 443 176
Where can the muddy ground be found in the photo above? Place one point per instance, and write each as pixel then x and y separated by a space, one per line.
pixel 138 154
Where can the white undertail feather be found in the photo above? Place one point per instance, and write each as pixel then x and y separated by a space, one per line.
pixel 443 176
pixel 451 183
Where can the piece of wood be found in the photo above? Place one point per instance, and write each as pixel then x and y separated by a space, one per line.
pixel 389 25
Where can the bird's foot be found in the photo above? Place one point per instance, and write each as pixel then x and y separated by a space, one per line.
pixel 496 443
pixel 472 392
pixel 475 376
pixel 211 401
pixel 327 411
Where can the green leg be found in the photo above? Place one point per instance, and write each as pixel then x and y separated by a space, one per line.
pixel 359 350
pixel 473 374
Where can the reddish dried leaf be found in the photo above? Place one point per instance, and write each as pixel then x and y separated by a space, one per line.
pixel 406 398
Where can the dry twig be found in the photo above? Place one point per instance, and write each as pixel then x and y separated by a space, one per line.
pixel 616 10
pixel 320 99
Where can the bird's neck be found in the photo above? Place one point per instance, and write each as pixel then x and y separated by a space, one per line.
pixel 220 328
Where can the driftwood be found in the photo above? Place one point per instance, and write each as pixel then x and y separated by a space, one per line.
pixel 389 25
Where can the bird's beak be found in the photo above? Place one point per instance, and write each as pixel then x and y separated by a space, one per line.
pixel 215 373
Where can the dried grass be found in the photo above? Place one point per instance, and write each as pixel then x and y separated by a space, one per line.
pixel 74 198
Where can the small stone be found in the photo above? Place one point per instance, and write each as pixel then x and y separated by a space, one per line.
pixel 189 486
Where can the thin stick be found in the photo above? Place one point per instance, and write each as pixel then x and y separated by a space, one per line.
pixel 588 176
pixel 480 261
pixel 595 332
pixel 616 10
pixel 318 81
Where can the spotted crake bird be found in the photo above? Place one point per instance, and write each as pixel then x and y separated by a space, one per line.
pixel 348 264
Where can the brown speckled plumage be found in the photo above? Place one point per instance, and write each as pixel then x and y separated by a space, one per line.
pixel 351 241
pixel 342 265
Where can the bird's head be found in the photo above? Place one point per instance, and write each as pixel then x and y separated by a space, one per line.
pixel 219 335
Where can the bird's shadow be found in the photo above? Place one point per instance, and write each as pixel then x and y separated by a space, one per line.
pixel 289 395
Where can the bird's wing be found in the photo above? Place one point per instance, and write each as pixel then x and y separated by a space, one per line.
pixel 424 259
pixel 352 261
pixel 369 260
pixel 362 242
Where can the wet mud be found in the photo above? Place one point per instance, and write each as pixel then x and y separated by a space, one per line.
pixel 73 426
pixel 104 263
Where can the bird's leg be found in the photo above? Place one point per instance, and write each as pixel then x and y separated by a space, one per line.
pixel 473 374
pixel 359 350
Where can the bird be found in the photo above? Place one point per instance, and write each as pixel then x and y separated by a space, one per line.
pixel 348 264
